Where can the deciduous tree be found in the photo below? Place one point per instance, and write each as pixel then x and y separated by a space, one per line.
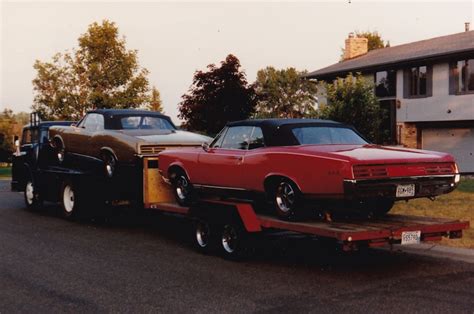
pixel 155 103
pixel 284 94
pixel 217 96
pixel 351 100
pixel 100 73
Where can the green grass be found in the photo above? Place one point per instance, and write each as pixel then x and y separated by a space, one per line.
pixel 458 204
pixel 466 186
pixel 5 172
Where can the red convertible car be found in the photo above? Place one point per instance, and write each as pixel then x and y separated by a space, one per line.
pixel 296 163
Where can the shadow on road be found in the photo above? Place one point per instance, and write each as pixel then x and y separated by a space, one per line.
pixel 276 248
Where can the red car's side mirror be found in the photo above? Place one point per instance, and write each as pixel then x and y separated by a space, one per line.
pixel 205 146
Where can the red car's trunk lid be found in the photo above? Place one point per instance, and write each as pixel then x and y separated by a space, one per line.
pixel 373 161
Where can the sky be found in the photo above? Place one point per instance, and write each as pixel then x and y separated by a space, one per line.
pixel 174 39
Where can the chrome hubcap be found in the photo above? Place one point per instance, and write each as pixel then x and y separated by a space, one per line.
pixel 68 199
pixel 110 166
pixel 202 234
pixel 285 197
pixel 61 156
pixel 29 192
pixel 229 239
pixel 182 187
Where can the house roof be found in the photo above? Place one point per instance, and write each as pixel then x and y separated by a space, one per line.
pixel 434 48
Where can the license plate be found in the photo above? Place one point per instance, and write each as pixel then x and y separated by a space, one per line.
pixel 405 190
pixel 411 237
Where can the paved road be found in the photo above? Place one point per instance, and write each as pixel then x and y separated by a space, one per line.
pixel 145 264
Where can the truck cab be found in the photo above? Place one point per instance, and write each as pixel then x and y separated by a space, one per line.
pixel 33 151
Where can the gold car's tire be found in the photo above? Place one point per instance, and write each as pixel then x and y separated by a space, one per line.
pixel 287 199
pixel 59 150
pixel 110 164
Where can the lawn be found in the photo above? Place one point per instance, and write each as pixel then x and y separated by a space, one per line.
pixel 458 204
pixel 5 172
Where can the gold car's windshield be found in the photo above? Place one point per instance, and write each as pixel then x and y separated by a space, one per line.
pixel 145 123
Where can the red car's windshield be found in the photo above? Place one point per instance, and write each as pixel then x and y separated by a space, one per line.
pixel 308 135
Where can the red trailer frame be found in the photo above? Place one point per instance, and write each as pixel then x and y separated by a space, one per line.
pixel 350 234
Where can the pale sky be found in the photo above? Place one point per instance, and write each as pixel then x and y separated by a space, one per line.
pixel 174 39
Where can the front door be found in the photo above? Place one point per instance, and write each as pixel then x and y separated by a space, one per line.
pixel 221 164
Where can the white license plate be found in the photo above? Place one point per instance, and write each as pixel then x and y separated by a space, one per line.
pixel 405 190
pixel 411 237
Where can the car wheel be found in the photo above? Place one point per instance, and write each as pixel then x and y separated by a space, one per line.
pixel 110 164
pixel 183 189
pixel 69 200
pixel 287 199
pixel 33 199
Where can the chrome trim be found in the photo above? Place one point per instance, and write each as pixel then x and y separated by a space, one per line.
pixel 218 187
pixel 400 178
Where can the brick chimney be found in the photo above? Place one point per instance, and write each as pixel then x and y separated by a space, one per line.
pixel 355 46
pixel 467 26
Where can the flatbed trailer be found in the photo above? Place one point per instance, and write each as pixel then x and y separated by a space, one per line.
pixel 227 225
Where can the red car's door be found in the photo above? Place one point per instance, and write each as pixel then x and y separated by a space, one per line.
pixel 222 164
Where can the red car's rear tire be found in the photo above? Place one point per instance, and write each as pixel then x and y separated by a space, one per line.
pixel 287 199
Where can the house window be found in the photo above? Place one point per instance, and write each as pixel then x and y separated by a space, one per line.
pixel 418 82
pixel 385 83
pixel 462 77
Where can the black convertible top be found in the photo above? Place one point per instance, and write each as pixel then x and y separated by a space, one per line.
pixel 277 132
pixel 111 123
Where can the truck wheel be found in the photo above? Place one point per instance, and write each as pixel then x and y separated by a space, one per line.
pixel 232 242
pixel 287 199
pixel 203 236
pixel 33 199
pixel 183 189
pixel 69 200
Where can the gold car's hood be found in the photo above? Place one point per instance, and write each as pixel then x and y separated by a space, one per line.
pixel 175 137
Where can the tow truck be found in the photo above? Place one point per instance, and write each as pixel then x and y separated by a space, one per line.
pixel 225 225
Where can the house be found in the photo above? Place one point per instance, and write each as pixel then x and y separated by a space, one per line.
pixel 426 86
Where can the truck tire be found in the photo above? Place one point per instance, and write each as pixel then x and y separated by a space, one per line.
pixel 204 239
pixel 232 241
pixel 69 200
pixel 33 200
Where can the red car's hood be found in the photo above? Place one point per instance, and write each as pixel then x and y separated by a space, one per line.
pixel 374 154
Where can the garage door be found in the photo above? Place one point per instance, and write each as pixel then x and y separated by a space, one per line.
pixel 457 142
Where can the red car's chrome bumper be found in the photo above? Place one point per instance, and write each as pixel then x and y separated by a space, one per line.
pixel 425 186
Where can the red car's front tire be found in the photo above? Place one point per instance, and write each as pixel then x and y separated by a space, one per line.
pixel 182 188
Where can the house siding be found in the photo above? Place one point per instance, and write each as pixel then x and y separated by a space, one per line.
pixel 440 107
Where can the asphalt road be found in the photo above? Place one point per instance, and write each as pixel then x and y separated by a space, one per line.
pixel 146 264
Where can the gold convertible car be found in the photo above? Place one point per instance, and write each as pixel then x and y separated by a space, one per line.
pixel 113 139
